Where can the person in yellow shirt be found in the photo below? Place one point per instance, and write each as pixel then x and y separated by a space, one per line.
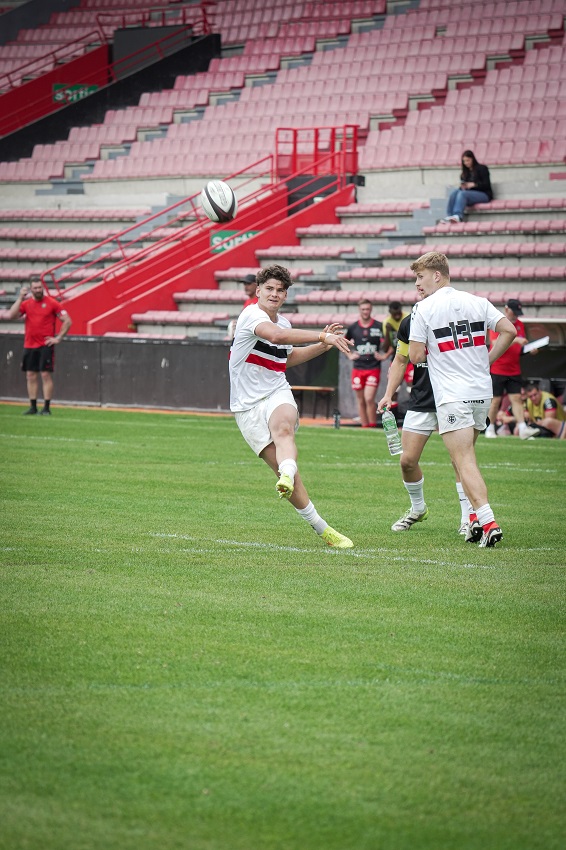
pixel 544 410
pixel 391 326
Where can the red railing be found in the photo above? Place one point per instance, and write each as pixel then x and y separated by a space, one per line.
pixel 45 62
pixel 195 17
pixel 30 109
pixel 130 246
pixel 145 262
pixel 315 152
pixel 326 150
pixel 158 16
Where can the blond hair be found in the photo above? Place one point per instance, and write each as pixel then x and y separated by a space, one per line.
pixel 432 260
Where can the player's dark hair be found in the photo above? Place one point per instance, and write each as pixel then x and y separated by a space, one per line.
pixel 279 273
pixel 395 305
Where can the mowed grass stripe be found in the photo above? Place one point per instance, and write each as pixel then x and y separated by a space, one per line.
pixel 184 664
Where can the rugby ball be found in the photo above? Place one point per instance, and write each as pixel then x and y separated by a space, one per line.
pixel 218 201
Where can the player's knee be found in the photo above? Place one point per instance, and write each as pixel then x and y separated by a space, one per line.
pixel 283 430
pixel 408 463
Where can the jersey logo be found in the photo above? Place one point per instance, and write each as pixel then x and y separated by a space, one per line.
pixel 462 334
pixel 269 356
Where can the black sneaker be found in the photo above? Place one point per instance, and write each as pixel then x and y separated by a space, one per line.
pixel 44 412
pixel 491 537
pixel 475 532
pixel 31 411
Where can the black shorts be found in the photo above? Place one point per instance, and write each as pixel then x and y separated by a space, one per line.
pixel 543 432
pixel 510 384
pixel 39 359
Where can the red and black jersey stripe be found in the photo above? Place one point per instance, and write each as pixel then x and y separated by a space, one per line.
pixel 461 334
pixel 272 357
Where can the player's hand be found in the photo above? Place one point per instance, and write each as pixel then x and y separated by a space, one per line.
pixel 339 341
pixel 384 403
pixel 334 328
pixel 24 290
pixel 52 340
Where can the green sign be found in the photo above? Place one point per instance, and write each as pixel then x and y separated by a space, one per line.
pixel 70 94
pixel 232 237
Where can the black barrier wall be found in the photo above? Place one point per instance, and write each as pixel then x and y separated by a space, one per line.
pixel 102 371
pixel 187 374
pixel 177 374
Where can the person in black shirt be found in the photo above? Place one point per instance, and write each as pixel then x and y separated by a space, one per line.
pixel 367 336
pixel 475 188
pixel 420 421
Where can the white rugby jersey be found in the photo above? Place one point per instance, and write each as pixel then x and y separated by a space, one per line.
pixel 453 325
pixel 257 367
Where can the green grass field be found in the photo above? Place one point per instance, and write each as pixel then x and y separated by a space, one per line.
pixel 184 664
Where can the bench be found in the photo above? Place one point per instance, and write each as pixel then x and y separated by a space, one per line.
pixel 322 393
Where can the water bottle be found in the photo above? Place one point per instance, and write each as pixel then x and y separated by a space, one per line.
pixel 391 432
pixel 336 418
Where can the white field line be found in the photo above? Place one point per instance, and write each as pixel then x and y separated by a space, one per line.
pixel 367 554
pixel 50 438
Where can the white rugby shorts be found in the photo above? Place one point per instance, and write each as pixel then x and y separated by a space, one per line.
pixel 456 415
pixel 254 423
pixel 420 422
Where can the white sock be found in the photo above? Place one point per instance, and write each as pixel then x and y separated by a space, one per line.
pixel 465 506
pixel 288 467
pixel 485 515
pixel 311 516
pixel 522 426
pixel 415 489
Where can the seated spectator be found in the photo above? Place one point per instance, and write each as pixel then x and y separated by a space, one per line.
pixel 544 410
pixel 505 423
pixel 475 188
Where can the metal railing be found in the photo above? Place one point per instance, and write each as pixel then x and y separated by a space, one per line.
pixel 119 69
pixel 150 238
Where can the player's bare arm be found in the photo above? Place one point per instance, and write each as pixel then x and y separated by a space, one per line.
pixel 394 380
pixel 507 333
pixel 295 336
pixel 417 352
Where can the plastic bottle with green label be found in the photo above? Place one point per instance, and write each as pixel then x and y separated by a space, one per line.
pixel 391 431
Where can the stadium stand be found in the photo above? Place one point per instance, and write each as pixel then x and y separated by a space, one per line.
pixel 418 99
pixel 352 82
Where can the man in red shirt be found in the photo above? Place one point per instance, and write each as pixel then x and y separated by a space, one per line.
pixel 506 375
pixel 40 313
